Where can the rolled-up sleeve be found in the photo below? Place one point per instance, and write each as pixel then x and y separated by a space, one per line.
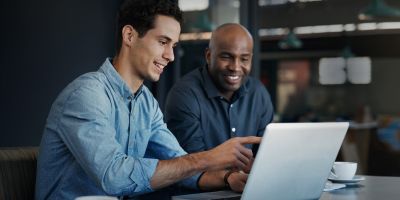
pixel 87 131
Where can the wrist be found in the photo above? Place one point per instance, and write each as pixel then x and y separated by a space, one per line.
pixel 199 161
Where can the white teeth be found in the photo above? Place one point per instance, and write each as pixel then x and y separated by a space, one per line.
pixel 159 65
pixel 233 77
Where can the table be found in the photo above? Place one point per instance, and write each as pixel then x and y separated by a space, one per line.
pixel 372 188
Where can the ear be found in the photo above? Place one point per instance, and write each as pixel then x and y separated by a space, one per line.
pixel 129 35
pixel 208 55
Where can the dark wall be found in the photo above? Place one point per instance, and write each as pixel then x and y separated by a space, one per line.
pixel 45 44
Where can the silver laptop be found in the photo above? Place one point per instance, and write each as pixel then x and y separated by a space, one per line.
pixel 293 162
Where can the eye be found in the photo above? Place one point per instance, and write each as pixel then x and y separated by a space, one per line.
pixel 224 56
pixel 163 42
pixel 245 59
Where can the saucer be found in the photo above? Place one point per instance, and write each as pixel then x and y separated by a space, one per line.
pixel 355 180
pixel 333 186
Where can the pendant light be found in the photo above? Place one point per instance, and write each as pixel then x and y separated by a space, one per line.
pixel 378 8
pixel 291 41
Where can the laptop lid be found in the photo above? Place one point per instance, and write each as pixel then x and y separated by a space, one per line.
pixel 294 160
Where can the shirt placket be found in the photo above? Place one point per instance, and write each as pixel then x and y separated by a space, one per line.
pixel 131 137
pixel 232 121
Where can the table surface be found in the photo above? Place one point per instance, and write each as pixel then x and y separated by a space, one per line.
pixel 373 187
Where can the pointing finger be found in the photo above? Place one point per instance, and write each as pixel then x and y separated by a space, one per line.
pixel 250 140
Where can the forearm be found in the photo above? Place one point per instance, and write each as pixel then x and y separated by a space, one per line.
pixel 171 171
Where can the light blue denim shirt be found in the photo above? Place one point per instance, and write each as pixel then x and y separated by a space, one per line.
pixel 100 139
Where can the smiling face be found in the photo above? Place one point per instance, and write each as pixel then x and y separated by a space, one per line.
pixel 229 58
pixel 148 55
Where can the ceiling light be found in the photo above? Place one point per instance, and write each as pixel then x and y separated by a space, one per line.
pixel 347 53
pixel 193 5
pixel 290 41
pixel 378 8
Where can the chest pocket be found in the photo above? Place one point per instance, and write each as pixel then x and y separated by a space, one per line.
pixel 138 141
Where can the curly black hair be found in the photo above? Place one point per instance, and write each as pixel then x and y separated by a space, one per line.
pixel 141 14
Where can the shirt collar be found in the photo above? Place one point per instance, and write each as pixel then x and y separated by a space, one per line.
pixel 212 90
pixel 116 81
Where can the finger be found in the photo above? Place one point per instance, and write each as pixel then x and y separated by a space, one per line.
pixel 242 185
pixel 246 152
pixel 242 161
pixel 235 169
pixel 242 177
pixel 245 158
pixel 249 140
pixel 249 166
pixel 247 169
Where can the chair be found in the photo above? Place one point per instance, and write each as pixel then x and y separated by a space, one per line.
pixel 18 172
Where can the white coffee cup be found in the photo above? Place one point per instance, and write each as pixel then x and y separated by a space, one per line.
pixel 96 198
pixel 344 170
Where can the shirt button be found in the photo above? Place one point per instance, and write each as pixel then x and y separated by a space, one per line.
pixel 221 97
pixel 231 105
pixel 233 129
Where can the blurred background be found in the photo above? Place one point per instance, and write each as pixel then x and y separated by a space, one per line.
pixel 321 60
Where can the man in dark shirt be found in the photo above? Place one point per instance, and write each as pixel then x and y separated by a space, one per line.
pixel 220 101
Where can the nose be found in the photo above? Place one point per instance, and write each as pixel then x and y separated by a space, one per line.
pixel 235 64
pixel 169 54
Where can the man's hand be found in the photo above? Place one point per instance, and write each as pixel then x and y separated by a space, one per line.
pixel 237 181
pixel 248 166
pixel 232 154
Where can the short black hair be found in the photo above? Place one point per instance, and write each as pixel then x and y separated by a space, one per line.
pixel 141 14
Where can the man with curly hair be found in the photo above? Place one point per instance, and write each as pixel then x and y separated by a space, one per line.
pixel 105 133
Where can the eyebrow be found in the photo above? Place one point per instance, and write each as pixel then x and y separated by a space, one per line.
pixel 232 54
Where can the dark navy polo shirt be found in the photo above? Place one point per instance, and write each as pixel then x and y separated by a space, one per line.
pixel 201 118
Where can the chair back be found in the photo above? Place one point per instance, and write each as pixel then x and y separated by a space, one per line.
pixel 18 172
